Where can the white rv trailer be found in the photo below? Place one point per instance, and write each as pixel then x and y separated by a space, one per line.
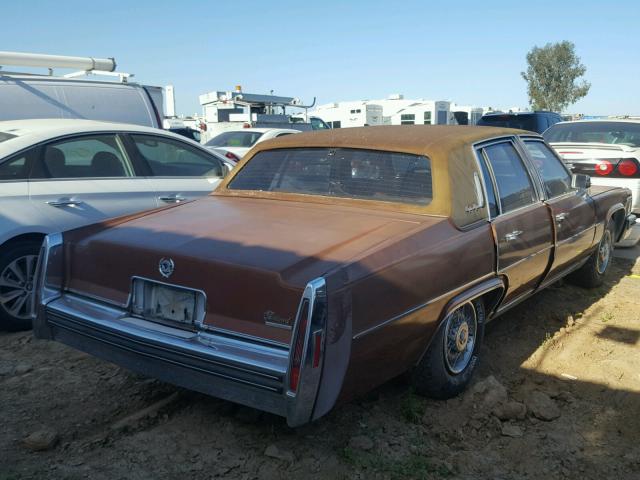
pixel 394 110
pixel 359 113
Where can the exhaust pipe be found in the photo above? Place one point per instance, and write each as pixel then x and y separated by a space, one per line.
pixel 57 61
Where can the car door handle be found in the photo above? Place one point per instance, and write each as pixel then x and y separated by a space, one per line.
pixel 65 202
pixel 511 236
pixel 561 216
pixel 175 198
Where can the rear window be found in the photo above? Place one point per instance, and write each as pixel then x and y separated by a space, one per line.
pixel 618 133
pixel 342 173
pixel 523 122
pixel 234 139
pixel 5 136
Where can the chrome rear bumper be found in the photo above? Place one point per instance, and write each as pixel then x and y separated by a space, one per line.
pixel 243 371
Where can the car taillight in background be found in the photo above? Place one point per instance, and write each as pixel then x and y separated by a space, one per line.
pixel 606 167
pixel 232 157
pixel 628 167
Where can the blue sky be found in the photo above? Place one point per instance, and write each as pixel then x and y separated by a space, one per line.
pixel 469 52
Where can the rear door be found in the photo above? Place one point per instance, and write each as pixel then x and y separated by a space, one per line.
pixel 572 210
pixel 521 223
pixel 176 170
pixel 85 179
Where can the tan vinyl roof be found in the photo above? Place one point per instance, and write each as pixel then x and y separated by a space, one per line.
pixel 447 146
pixel 426 140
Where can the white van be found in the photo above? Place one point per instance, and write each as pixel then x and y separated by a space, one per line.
pixel 33 96
pixel 76 95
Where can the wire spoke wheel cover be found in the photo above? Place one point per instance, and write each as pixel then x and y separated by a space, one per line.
pixel 17 286
pixel 604 252
pixel 460 334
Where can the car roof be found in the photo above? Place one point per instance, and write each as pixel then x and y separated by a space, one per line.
pixel 426 140
pixel 33 131
pixel 601 120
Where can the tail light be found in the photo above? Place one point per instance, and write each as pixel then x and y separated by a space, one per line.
pixel 628 167
pixel 298 347
pixel 604 167
pixel 232 157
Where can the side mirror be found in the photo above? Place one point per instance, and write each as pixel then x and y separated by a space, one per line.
pixel 580 181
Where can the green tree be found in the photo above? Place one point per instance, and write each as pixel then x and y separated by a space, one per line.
pixel 552 75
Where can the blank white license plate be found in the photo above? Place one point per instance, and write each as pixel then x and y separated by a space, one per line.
pixel 165 303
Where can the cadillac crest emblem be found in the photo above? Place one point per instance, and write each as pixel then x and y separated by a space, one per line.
pixel 166 267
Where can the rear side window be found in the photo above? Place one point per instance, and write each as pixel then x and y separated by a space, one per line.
pixel 556 178
pixel 343 173
pixel 515 188
pixel 492 202
pixel 92 156
pixel 170 158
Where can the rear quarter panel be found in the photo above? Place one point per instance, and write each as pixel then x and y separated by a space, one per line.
pixel 397 296
pixel 608 201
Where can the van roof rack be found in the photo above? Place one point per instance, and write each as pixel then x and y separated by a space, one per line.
pixel 86 65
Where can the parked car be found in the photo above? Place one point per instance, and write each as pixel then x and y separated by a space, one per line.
pixel 537 121
pixel 191 133
pixel 233 144
pixel 337 260
pixel 61 174
pixel 606 150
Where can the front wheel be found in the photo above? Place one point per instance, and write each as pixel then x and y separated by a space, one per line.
pixel 448 365
pixel 17 271
pixel 592 273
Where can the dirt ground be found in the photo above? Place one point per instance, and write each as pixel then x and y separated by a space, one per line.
pixel 557 396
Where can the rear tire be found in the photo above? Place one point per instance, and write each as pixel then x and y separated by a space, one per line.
pixel 592 273
pixel 452 358
pixel 17 270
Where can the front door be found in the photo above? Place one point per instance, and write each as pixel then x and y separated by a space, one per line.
pixel 522 227
pixel 572 210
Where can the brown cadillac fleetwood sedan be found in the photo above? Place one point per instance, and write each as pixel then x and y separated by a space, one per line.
pixel 327 263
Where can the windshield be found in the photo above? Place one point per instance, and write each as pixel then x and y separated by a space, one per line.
pixel 234 139
pixel 343 173
pixel 523 122
pixel 619 133
pixel 5 136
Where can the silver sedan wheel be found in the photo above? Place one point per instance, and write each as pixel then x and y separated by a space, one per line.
pixel 17 286
pixel 604 252
pixel 460 335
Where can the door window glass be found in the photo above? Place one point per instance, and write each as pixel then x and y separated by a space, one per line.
pixel 514 185
pixel 15 169
pixel 555 176
pixel 93 156
pixel 170 158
